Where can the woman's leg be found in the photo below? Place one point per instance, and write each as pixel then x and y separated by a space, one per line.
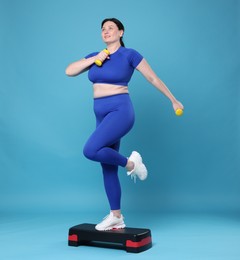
pixel 112 185
pixel 115 117
pixel 114 121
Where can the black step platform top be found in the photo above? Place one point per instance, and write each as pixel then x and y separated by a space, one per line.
pixel 134 240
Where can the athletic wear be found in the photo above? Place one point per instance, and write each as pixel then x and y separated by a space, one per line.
pixel 111 222
pixel 114 119
pixel 140 169
pixel 117 70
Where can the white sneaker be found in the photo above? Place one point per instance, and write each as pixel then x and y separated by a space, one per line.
pixel 140 169
pixel 111 222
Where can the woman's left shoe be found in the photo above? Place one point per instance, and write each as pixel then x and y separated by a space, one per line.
pixel 111 222
pixel 140 169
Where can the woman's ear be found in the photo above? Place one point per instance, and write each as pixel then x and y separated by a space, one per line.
pixel 121 33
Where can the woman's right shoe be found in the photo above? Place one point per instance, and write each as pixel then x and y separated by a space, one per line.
pixel 140 169
pixel 111 222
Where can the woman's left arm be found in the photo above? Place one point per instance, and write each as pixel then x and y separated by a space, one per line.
pixel 150 75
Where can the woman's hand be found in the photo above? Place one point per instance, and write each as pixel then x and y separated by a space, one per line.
pixel 102 56
pixel 177 105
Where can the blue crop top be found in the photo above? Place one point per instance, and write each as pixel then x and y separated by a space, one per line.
pixel 117 70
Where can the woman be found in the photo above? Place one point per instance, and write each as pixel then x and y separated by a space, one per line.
pixel 114 112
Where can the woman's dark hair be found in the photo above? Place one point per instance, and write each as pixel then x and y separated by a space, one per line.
pixel 119 25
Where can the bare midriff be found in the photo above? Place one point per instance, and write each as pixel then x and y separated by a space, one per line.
pixel 104 90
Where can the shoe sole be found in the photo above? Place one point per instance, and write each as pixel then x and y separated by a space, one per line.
pixel 142 176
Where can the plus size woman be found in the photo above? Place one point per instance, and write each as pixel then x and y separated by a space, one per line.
pixel 114 112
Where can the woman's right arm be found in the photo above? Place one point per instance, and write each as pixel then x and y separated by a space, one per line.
pixel 83 65
pixel 79 66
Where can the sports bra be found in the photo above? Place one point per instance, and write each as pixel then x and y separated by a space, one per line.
pixel 117 70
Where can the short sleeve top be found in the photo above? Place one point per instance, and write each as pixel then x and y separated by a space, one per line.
pixel 117 70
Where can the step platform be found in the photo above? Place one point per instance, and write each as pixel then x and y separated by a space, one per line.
pixel 133 240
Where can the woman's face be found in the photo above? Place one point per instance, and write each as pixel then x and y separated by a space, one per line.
pixel 110 32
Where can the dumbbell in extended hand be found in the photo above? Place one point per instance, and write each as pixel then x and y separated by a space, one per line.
pixel 179 112
pixel 99 62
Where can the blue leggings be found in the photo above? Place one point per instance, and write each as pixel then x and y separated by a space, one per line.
pixel 114 119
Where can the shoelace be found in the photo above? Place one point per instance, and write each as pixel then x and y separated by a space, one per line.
pixel 106 217
pixel 134 177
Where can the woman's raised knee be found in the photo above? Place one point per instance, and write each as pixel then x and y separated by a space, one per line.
pixel 89 153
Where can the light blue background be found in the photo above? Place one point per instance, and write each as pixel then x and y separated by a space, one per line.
pixel 46 117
